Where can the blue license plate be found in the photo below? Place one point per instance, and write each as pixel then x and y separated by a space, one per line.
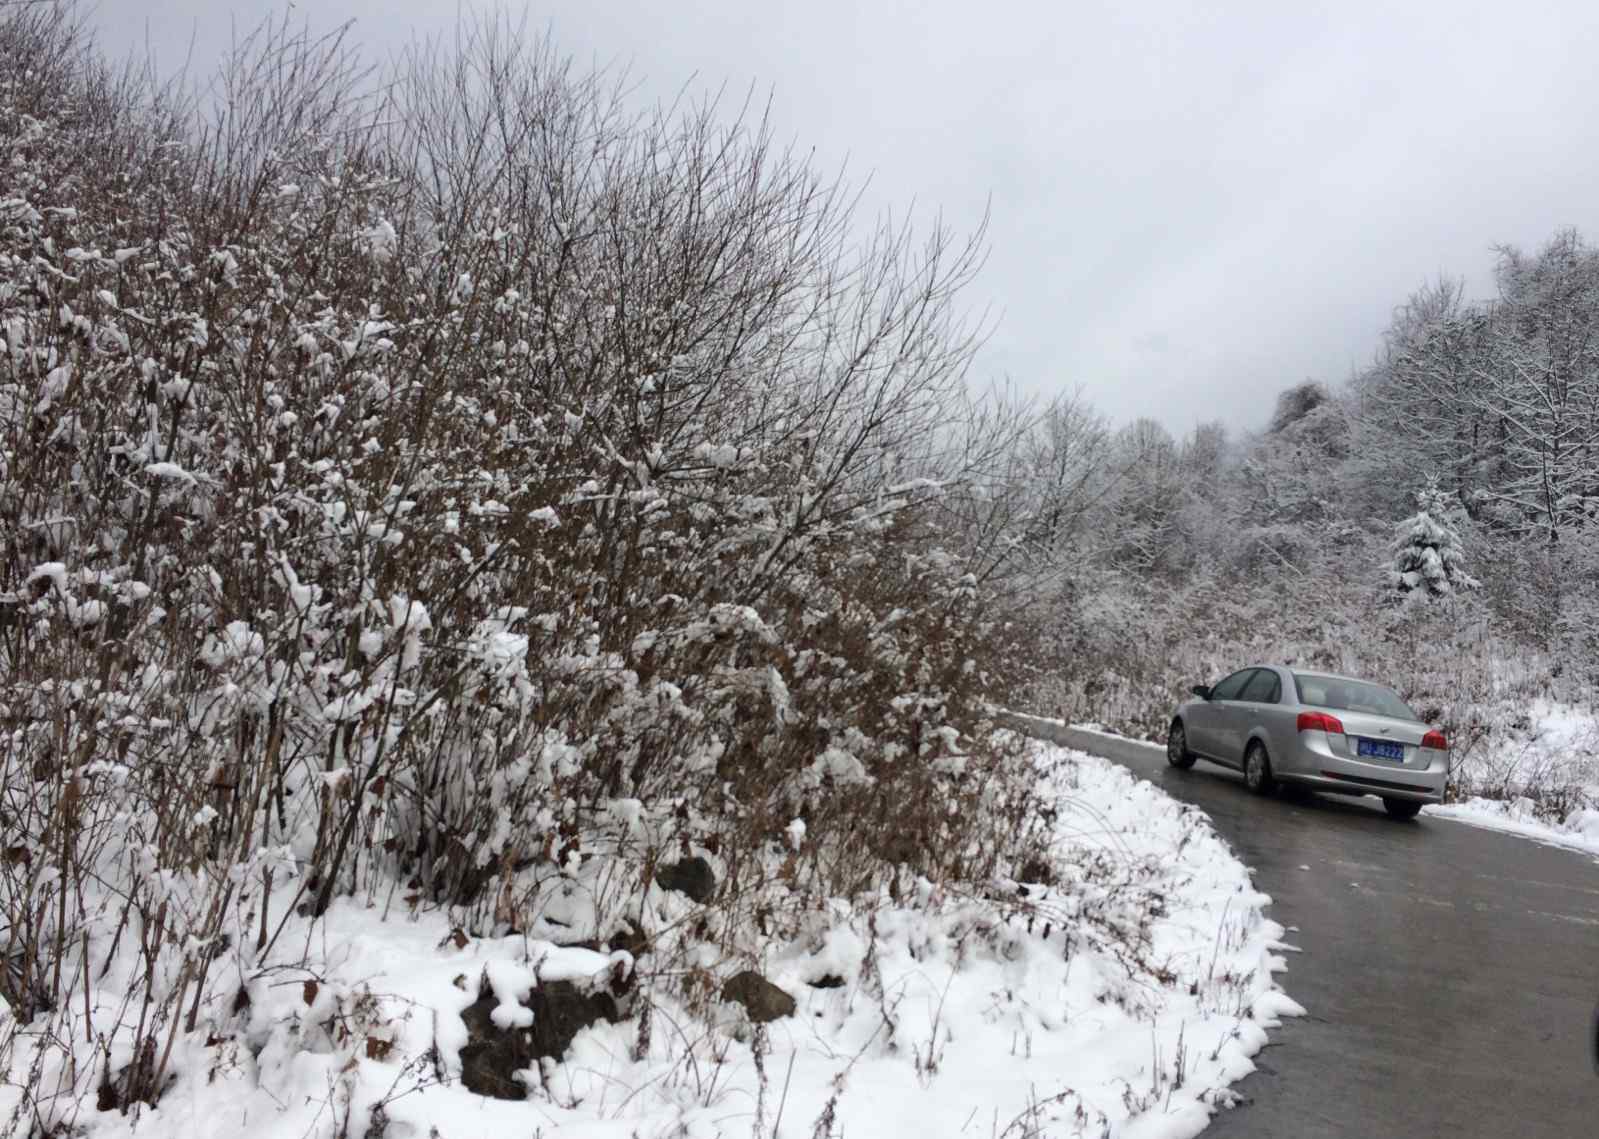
pixel 1380 749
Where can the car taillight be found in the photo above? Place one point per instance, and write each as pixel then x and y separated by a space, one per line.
pixel 1435 740
pixel 1320 722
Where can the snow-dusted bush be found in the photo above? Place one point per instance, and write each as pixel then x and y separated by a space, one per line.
pixel 459 487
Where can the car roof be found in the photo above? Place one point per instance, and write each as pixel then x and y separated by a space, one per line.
pixel 1314 673
pixel 1319 675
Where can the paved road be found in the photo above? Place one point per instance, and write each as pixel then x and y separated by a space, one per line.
pixel 1450 973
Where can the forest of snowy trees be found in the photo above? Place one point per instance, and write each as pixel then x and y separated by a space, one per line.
pixel 1430 521
pixel 456 486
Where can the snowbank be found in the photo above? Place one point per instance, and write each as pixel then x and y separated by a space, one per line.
pixel 1521 816
pixel 1551 747
pixel 1537 777
pixel 1120 999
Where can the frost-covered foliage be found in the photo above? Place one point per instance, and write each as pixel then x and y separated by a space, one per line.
pixel 1174 560
pixel 1178 559
pixel 456 487
pixel 1497 398
pixel 1428 559
pixel 1458 663
pixel 1297 402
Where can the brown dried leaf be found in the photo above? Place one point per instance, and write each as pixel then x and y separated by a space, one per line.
pixel 310 991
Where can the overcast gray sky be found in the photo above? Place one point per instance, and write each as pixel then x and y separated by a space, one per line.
pixel 1193 205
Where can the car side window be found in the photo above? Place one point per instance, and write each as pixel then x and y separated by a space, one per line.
pixel 1263 688
pixel 1230 688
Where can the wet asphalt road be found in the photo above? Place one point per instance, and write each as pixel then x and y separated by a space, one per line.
pixel 1450 973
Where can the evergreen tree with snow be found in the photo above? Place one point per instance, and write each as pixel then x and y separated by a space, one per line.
pixel 1428 558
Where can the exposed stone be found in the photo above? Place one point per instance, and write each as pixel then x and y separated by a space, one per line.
pixel 692 876
pixel 633 939
pixel 494 1057
pixel 763 1000
pixel 1038 871
pixel 561 1010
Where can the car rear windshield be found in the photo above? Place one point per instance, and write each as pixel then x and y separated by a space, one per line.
pixel 1351 696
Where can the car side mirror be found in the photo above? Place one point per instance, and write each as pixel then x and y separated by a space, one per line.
pixel 1201 690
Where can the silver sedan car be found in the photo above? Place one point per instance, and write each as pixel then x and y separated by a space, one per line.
pixel 1328 733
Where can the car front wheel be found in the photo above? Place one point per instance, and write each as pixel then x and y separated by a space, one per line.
pixel 1402 808
pixel 1177 753
pixel 1257 770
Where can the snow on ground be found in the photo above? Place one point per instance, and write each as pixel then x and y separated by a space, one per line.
pixel 1579 831
pixel 1121 1000
pixel 1538 777
pixel 1549 747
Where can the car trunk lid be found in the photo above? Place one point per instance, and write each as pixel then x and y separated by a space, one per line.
pixel 1406 734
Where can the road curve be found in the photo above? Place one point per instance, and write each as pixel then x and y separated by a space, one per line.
pixel 1450 973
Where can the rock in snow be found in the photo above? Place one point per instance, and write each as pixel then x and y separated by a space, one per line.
pixel 692 877
pixel 494 1057
pixel 764 1001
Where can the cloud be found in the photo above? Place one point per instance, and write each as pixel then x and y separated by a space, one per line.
pixel 1257 183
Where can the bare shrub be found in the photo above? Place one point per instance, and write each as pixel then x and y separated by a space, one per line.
pixel 453 478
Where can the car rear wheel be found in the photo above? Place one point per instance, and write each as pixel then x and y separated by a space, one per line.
pixel 1402 808
pixel 1177 753
pixel 1257 770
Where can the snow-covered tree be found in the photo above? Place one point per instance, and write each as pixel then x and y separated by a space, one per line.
pixel 1428 558
pixel 1499 398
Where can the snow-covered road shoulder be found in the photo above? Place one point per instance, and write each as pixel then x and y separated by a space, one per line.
pixel 1579 831
pixel 1118 991
pixel 1165 1067
pixel 1537 778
